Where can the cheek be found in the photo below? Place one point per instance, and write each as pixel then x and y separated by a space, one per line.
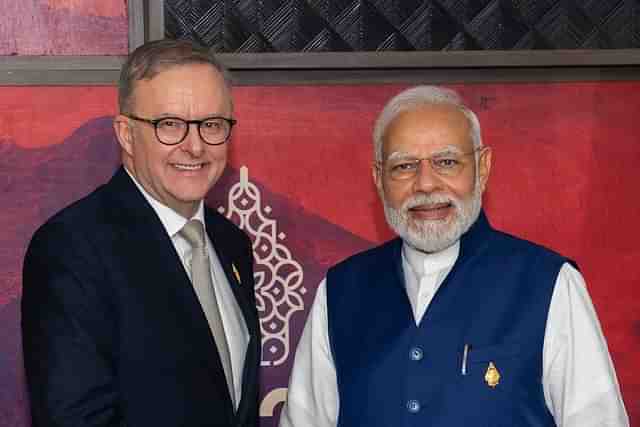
pixel 396 193
pixel 154 162
pixel 218 157
pixel 463 189
pixel 219 152
pixel 141 157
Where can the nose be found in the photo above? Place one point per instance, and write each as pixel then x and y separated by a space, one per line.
pixel 426 180
pixel 192 143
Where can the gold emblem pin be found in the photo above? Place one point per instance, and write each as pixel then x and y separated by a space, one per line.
pixel 235 272
pixel 492 376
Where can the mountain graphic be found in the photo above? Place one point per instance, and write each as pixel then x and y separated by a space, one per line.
pixel 39 182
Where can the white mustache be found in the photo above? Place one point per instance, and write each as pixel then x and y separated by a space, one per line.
pixel 427 199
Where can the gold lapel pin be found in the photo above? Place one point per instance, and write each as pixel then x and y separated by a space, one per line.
pixel 235 272
pixel 492 376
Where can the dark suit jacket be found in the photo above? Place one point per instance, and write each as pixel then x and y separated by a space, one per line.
pixel 113 333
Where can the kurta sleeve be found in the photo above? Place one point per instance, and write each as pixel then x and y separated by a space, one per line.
pixel 312 398
pixel 579 380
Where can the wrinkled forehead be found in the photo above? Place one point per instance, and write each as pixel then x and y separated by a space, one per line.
pixel 449 150
pixel 198 82
pixel 428 130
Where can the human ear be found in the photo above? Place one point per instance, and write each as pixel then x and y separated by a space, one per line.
pixel 376 173
pixel 484 166
pixel 124 133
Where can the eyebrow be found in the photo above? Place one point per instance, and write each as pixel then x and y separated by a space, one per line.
pixel 162 116
pixel 405 155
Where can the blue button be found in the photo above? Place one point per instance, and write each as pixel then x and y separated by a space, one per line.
pixel 416 354
pixel 413 406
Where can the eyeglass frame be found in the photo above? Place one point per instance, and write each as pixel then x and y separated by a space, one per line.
pixel 154 123
pixel 430 159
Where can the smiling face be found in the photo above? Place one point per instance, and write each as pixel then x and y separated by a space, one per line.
pixel 430 211
pixel 178 176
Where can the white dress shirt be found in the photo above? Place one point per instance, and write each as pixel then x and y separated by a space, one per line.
pixel 579 381
pixel 235 328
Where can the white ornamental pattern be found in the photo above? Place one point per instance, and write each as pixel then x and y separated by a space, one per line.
pixel 278 276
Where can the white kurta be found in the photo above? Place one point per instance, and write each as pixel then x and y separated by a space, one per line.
pixel 579 380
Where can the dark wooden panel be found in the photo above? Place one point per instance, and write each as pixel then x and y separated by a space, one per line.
pixel 250 77
pixel 244 26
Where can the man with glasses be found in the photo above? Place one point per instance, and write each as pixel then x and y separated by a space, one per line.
pixel 138 306
pixel 454 323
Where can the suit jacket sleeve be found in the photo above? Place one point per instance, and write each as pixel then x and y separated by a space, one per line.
pixel 66 325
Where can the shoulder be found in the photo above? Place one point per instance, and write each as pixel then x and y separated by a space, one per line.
pixel 222 225
pixel 227 233
pixel 64 250
pixel 507 246
pixel 113 201
pixel 369 260
pixel 70 221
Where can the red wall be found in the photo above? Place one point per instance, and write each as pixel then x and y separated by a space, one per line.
pixel 565 174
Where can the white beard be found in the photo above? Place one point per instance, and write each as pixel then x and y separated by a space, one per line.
pixel 434 236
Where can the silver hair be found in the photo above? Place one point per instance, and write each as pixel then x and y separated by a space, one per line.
pixel 156 56
pixel 416 97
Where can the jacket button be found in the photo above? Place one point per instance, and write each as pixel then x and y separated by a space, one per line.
pixel 413 406
pixel 416 354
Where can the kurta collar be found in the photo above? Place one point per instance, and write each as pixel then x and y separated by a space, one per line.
pixel 423 263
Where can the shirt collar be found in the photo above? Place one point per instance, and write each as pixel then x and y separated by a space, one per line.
pixel 427 263
pixel 172 221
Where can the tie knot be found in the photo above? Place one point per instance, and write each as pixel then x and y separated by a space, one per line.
pixel 193 232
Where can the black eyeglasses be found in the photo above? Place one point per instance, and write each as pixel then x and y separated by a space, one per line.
pixel 173 130
pixel 448 164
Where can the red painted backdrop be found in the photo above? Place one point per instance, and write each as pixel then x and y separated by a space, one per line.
pixel 565 175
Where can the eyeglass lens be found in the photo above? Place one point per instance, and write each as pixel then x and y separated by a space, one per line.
pixel 174 130
pixel 449 165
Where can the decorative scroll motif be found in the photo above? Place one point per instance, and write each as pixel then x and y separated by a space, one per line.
pixel 278 276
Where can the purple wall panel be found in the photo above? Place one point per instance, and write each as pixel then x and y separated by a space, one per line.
pixel 63 27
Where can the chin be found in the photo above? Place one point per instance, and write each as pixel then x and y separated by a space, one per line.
pixel 192 198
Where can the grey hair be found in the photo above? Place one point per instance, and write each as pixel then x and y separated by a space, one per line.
pixel 153 57
pixel 416 97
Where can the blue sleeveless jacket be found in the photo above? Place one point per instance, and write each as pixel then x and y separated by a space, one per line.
pixel 393 373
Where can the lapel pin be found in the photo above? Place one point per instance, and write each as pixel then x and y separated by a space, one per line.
pixel 235 272
pixel 492 376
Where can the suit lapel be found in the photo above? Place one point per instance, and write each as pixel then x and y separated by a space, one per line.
pixel 239 272
pixel 145 240
pixel 234 267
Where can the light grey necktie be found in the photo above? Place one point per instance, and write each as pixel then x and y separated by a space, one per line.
pixel 193 232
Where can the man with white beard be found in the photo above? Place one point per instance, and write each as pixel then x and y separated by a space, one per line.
pixel 454 323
